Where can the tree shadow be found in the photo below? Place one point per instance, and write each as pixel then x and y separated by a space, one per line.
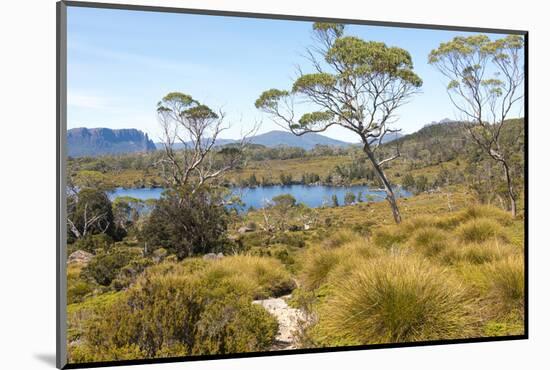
pixel 47 358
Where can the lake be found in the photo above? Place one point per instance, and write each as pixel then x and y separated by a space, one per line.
pixel 311 195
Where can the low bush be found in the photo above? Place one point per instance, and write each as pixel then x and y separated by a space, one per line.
pixel 106 265
pixel 77 288
pixel 93 243
pixel 197 308
pixel 392 300
pixel 291 239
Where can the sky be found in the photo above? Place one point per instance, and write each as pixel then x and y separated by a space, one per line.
pixel 120 63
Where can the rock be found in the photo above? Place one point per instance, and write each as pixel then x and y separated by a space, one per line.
pixel 80 256
pixel 159 255
pixel 100 141
pixel 245 229
pixel 289 320
pixel 212 256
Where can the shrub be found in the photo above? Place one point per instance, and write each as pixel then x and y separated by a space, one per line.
pixel 91 243
pixel 89 204
pixel 429 241
pixel 187 223
pixel 391 300
pixel 106 265
pixel 77 288
pixel 292 239
pixel 479 230
pixel 207 310
pixel 129 273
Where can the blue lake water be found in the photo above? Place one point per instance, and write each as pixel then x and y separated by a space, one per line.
pixel 311 195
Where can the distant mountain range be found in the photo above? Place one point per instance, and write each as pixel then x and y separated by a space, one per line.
pixel 277 138
pixel 102 141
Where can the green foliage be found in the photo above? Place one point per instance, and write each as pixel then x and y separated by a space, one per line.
pixel 193 308
pixel 89 212
pixel 314 82
pixel 106 265
pixel 187 223
pixel 91 243
pixel 349 198
pixel 335 29
pixel 284 201
pixel 408 182
pixel 77 288
pixel 270 98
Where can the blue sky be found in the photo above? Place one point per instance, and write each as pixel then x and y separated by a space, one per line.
pixel 121 63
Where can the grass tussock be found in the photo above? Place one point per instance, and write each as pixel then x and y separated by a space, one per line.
pixel 394 299
pixel 429 241
pixel 479 230
pixel 476 253
pixel 340 238
pixel 320 262
pixel 506 285
pixel 486 211
pixel 390 237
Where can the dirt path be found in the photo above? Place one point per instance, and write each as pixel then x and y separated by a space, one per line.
pixel 288 319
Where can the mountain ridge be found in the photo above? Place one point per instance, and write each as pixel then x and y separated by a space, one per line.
pixel 83 141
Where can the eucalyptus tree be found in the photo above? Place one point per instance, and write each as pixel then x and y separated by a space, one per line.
pixel 355 84
pixel 195 128
pixel 485 84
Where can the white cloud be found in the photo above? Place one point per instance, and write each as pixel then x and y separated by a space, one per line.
pixel 146 61
pixel 81 99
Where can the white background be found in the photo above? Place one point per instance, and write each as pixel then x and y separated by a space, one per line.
pixel 27 181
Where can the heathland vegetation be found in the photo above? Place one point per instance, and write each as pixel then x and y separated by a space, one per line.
pixel 187 274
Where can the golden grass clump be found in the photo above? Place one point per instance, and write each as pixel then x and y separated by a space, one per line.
pixel 319 262
pixel 476 253
pixel 389 237
pixel 479 230
pixel 394 300
pixel 429 241
pixel 506 285
pixel 486 211
pixel 340 238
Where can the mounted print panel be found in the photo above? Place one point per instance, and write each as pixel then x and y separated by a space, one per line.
pixel 237 184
